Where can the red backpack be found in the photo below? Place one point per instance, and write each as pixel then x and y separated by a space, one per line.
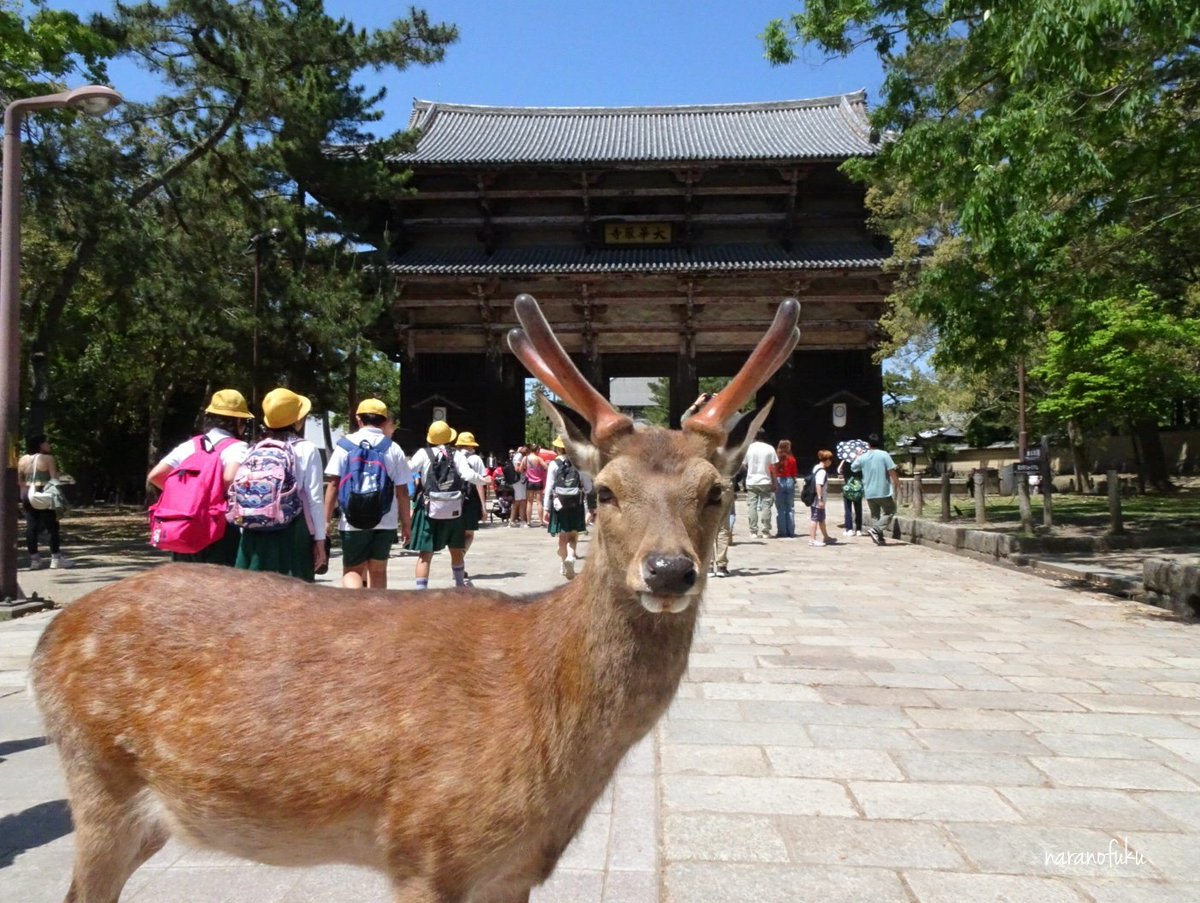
pixel 190 514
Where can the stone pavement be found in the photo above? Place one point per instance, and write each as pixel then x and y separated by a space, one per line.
pixel 858 724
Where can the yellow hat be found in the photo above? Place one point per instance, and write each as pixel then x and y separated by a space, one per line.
pixel 283 407
pixel 467 440
pixel 372 406
pixel 229 403
pixel 558 443
pixel 440 433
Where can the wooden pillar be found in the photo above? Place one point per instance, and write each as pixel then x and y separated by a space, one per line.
pixel 945 495
pixel 686 384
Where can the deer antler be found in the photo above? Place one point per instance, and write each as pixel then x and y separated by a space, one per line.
pixel 773 349
pixel 539 350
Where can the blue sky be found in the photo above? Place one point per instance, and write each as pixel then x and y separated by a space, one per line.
pixel 561 53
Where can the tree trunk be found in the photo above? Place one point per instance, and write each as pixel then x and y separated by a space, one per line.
pixel 1083 476
pixel 1152 460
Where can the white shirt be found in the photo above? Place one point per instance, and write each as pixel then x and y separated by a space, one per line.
pixel 234 453
pixel 759 458
pixel 819 482
pixel 310 484
pixel 395 463
pixel 585 483
pixel 474 462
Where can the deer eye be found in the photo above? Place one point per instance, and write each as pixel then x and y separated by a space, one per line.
pixel 604 495
pixel 715 495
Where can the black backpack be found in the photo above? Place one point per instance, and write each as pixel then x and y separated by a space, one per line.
pixel 568 485
pixel 808 492
pixel 442 486
pixel 511 477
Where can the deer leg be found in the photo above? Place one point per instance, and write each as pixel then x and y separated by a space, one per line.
pixel 111 840
pixel 420 890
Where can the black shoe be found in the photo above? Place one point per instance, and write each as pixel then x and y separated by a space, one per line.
pixel 722 572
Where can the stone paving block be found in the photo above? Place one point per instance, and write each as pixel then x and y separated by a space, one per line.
pixel 767 692
pixel 835 764
pixel 958 887
pixel 215 884
pixel 723 838
pixel 699 709
pixel 1160 702
pixel 874 696
pixel 916 681
pixel 855 841
pixel 997 742
pixel 1120 774
pixel 1005 702
pixel 630 887
pixel 633 841
pixel 808 676
pixel 986 682
pixel 1126 890
pixel 1110 810
pixel 1151 726
pixel 726 733
pixel 968 768
pixel 750 761
pixel 763 796
pixel 706 882
pixel 589 849
pixel 827 713
pixel 1185 749
pixel 1175 855
pixel 1036 850
pixel 969 718
pixel 1103 746
pixel 566 886
pixel 932 802
pixel 1183 807
pixel 840 736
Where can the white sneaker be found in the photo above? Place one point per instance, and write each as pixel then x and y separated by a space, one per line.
pixel 61 561
pixel 568 568
pixel 36 563
pixel 846 533
pixel 816 543
pixel 859 533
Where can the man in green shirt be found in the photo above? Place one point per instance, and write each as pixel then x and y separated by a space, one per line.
pixel 881 485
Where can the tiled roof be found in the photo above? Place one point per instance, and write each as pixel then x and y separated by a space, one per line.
pixel 743 257
pixel 819 128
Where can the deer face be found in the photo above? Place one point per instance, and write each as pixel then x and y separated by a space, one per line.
pixel 659 501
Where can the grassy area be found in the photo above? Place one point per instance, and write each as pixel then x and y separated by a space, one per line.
pixel 1179 510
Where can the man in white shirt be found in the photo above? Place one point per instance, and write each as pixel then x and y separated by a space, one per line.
pixel 365 552
pixel 760 484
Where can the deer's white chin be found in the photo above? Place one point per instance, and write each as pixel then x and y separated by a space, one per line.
pixel 656 605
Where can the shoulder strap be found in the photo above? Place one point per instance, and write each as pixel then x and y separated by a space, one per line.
pixel 383 445
pixel 225 443
pixel 346 444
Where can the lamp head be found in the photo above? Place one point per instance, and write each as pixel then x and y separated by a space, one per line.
pixel 94 100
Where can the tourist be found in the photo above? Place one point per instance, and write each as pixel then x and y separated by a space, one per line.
pixel 881 485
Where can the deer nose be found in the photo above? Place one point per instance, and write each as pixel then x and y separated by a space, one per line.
pixel 669 574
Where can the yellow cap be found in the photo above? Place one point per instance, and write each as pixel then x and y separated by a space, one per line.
pixel 283 407
pixel 440 433
pixel 466 439
pixel 558 443
pixel 372 406
pixel 229 403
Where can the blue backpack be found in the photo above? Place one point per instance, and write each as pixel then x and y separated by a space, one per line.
pixel 365 491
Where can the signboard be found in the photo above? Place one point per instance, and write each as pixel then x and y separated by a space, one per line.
pixel 839 414
pixel 1033 455
pixel 637 233
pixel 1028 468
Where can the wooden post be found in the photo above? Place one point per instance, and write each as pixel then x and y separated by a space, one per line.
pixel 918 495
pixel 1116 523
pixel 945 496
pixel 1047 485
pixel 980 494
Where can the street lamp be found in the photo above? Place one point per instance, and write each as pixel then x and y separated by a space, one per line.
pixel 93 100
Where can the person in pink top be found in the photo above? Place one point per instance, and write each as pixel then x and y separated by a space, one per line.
pixel 535 482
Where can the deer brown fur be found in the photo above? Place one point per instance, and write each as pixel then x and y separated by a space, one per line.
pixel 455 740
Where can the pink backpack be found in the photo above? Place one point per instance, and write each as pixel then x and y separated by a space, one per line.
pixel 190 515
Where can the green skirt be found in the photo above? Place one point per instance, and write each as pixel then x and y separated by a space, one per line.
pixel 223 551
pixel 430 535
pixel 472 510
pixel 288 551
pixel 568 520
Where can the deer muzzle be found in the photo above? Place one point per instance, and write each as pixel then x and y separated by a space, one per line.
pixel 670 581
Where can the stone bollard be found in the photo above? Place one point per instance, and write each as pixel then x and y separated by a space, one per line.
pixel 1116 523
pixel 918 495
pixel 945 496
pixel 1023 502
pixel 980 494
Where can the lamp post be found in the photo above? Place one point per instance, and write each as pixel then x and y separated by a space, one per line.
pixel 94 100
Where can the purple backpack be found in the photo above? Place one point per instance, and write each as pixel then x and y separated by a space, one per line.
pixel 263 495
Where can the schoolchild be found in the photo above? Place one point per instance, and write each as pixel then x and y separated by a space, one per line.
pixel 432 534
pixel 465 452
pixel 226 420
pixel 821 482
pixel 298 549
pixel 564 506
pixel 365 552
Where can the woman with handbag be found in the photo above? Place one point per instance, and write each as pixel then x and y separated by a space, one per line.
pixel 37 473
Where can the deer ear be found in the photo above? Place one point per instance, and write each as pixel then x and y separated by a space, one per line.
pixel 728 458
pixel 576 434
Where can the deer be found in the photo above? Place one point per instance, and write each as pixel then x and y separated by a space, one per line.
pixel 454 740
